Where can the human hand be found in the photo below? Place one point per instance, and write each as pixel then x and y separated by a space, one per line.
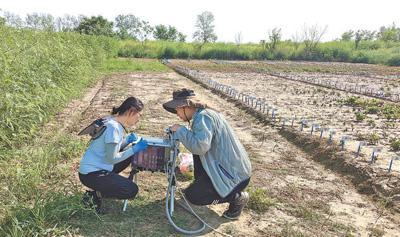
pixel 140 146
pixel 175 127
pixel 131 138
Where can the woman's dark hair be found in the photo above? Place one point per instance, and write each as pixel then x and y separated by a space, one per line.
pixel 132 103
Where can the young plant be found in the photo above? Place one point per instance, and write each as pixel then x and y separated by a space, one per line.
pixel 395 144
pixel 360 116
pixel 371 123
pixel 373 138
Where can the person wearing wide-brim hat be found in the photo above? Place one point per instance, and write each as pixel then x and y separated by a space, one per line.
pixel 222 168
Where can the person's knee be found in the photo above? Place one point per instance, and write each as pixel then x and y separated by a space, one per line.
pixel 131 191
pixel 193 198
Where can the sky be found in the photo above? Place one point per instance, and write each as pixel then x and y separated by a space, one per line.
pixel 253 18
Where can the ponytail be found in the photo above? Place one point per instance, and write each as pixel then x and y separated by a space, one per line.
pixel 114 110
pixel 131 103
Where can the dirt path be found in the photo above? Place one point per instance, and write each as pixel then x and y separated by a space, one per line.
pixel 308 199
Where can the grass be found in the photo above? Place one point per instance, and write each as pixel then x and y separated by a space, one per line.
pixel 40 72
pixel 389 111
pixel 259 200
pixel 129 65
pixel 395 144
pixel 40 195
pixel 336 51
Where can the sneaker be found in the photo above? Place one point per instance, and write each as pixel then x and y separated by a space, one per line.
pixel 92 200
pixel 236 206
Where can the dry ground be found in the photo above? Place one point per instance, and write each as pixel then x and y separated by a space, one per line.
pixel 318 105
pixel 307 199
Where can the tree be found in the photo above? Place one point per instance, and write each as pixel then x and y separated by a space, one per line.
pixel 348 35
pixel 239 38
pixel 391 33
pixel 181 37
pixel 145 31
pixel 205 28
pixel 312 36
pixel 369 35
pixel 170 33
pixel 68 23
pixel 363 35
pixel 358 37
pixel 274 38
pixel 12 20
pixel 40 21
pixel 128 26
pixel 95 25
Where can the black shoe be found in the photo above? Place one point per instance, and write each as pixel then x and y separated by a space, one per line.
pixel 236 206
pixel 92 200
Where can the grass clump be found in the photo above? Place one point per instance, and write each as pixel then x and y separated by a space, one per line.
pixel 360 116
pixel 395 144
pixel 259 200
pixel 373 138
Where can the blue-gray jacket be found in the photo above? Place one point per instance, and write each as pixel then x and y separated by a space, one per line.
pixel 222 155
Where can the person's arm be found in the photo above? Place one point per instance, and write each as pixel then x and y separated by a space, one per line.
pixel 197 141
pixel 128 140
pixel 113 155
pixel 113 141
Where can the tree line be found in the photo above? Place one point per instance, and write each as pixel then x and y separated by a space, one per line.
pixel 123 27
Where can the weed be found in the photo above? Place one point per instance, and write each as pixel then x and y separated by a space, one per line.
pixel 395 144
pixel 376 232
pixel 373 138
pixel 259 200
pixel 360 116
pixel 371 123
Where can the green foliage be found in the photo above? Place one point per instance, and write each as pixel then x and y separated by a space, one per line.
pixel 341 51
pixel 41 71
pixel 395 144
pixel 38 198
pixel 131 65
pixel 360 116
pixel 348 35
pixel 373 138
pixel 205 28
pixel 353 101
pixel 390 111
pixel 95 25
pixel 2 21
pixel 127 26
pixel 394 60
pixel 259 200
pixel 372 110
pixel 170 33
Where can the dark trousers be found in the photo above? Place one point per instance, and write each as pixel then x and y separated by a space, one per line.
pixel 202 192
pixel 111 184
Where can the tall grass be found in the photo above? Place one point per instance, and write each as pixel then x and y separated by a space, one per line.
pixel 39 192
pixel 39 72
pixel 374 52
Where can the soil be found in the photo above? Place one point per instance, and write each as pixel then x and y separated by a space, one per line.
pixel 309 199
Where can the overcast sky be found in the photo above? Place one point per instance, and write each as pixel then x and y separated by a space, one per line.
pixel 254 18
